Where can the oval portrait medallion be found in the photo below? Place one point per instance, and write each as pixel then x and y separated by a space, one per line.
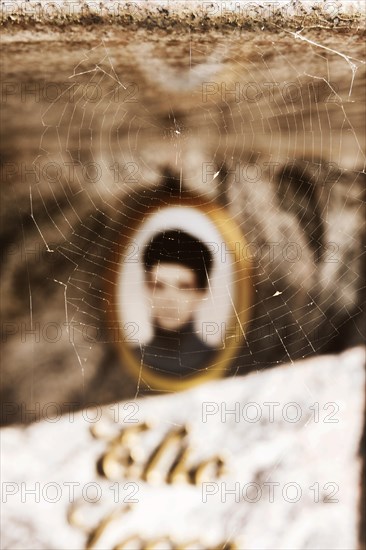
pixel 182 291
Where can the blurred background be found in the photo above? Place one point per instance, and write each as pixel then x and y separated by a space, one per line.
pixel 268 125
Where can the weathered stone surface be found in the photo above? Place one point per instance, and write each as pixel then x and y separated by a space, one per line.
pixel 289 438
pixel 175 13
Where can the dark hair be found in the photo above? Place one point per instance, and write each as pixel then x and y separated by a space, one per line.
pixel 177 246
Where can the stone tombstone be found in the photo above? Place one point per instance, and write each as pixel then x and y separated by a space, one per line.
pixel 271 460
pixel 183 278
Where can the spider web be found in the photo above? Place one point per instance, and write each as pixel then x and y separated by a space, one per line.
pixel 266 127
pixel 239 124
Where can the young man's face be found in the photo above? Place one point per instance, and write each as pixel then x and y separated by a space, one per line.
pixel 173 294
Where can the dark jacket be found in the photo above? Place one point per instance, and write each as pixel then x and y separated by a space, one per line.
pixel 176 353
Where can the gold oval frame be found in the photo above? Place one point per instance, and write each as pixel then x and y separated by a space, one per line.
pixel 242 299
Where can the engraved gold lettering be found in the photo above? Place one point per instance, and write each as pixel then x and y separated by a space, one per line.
pixel 95 534
pixel 151 472
pixel 166 543
pixel 120 459
pixel 166 463
pixel 75 517
pixel 199 474
pixel 178 472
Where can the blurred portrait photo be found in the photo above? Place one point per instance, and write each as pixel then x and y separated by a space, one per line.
pixel 177 267
pixel 181 292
